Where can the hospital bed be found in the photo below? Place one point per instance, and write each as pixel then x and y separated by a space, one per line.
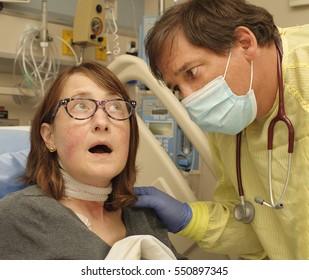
pixel 161 171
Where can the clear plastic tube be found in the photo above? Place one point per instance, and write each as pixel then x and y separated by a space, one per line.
pixel 37 68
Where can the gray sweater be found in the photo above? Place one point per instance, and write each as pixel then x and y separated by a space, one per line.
pixel 36 227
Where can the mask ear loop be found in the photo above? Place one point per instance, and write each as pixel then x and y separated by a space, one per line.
pixel 251 78
pixel 251 70
pixel 227 64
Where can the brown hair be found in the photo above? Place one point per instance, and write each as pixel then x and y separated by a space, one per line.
pixel 208 24
pixel 43 167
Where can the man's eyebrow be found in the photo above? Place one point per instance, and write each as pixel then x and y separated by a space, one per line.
pixel 184 67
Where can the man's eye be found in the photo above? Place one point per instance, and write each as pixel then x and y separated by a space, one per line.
pixel 193 71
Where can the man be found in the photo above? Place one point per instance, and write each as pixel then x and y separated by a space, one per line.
pixel 224 59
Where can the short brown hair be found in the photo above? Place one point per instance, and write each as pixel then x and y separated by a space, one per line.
pixel 208 24
pixel 43 167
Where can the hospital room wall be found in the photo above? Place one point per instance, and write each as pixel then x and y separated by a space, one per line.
pixel 284 15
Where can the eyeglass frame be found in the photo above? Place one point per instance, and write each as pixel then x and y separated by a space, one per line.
pixel 64 102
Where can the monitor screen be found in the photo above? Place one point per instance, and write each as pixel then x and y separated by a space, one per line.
pixel 161 128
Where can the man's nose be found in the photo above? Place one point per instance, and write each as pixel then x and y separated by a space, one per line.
pixel 186 91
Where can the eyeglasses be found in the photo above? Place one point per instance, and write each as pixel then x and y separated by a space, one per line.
pixel 84 108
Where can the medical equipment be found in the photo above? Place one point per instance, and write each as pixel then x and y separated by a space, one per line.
pixel 168 133
pixel 89 22
pixel 38 69
pixel 130 68
pixel 93 20
pixel 245 211
pixel 281 116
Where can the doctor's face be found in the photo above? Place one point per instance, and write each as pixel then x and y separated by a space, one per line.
pixel 186 68
pixel 94 150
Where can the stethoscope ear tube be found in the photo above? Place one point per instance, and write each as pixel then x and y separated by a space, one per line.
pixel 262 202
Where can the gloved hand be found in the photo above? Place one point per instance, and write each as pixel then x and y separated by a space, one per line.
pixel 174 214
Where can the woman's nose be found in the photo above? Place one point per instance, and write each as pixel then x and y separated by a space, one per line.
pixel 100 119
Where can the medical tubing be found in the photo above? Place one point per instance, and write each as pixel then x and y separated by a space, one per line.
pixel 44 31
pixel 238 164
pixel 108 30
pixel 70 47
pixel 287 178
pixel 22 43
pixel 279 202
pixel 116 37
pixel 269 179
pixel 36 74
pixel 281 115
pixel 36 69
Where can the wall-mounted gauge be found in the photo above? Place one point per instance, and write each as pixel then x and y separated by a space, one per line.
pixel 89 22
pixel 96 26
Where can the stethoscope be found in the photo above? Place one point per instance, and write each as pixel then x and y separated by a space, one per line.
pixel 245 211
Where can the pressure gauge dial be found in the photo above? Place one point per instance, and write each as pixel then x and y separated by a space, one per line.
pixel 96 26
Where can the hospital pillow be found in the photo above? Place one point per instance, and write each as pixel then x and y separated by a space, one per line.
pixel 14 150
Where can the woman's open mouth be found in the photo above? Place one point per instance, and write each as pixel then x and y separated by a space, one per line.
pixel 100 149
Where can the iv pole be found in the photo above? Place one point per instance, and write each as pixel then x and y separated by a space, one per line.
pixel 161 6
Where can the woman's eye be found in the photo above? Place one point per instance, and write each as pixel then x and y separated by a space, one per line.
pixel 81 106
pixel 115 106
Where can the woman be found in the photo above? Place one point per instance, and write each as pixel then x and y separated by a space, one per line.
pixel 81 169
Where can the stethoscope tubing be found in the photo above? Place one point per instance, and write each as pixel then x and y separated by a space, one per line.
pixel 281 116
pixel 278 204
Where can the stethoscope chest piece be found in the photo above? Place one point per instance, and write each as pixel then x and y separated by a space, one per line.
pixel 244 213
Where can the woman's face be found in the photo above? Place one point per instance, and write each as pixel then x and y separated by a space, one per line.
pixel 92 151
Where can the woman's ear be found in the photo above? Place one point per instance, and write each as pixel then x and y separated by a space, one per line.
pixel 48 136
pixel 247 41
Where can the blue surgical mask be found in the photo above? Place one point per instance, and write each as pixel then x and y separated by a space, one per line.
pixel 215 108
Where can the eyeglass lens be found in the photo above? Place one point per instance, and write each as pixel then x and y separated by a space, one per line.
pixel 85 108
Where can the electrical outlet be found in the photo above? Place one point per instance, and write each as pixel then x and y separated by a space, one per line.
pixel 101 51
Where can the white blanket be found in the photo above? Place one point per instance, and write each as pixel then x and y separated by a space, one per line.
pixel 139 247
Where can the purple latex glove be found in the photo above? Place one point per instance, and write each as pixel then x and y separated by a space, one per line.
pixel 174 214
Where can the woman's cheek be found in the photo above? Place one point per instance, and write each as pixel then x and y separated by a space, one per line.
pixel 70 145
